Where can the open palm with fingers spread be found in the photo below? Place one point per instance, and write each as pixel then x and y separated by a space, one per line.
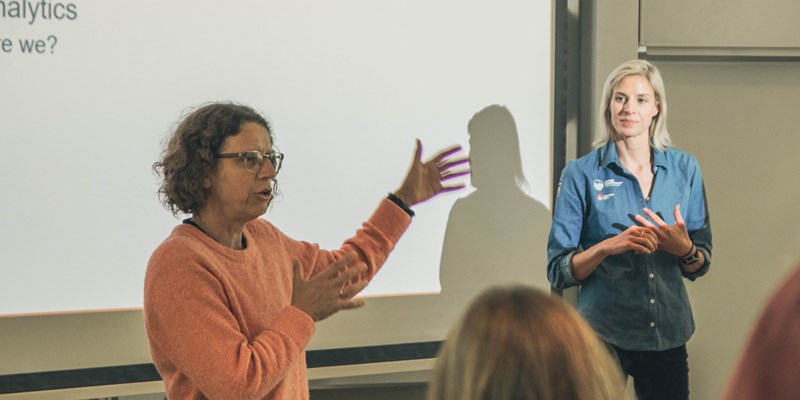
pixel 425 179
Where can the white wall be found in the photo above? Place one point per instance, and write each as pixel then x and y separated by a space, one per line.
pixel 737 118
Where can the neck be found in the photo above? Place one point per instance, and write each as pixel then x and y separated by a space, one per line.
pixel 226 234
pixel 634 153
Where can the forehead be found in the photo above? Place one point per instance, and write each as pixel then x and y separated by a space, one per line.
pixel 634 84
pixel 251 136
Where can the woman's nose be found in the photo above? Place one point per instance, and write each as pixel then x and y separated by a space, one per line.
pixel 267 170
pixel 628 107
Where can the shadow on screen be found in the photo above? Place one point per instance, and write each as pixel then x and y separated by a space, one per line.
pixel 497 234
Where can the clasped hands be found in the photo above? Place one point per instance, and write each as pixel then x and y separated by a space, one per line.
pixel 648 236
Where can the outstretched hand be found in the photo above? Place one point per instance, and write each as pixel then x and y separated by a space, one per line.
pixel 330 291
pixel 425 180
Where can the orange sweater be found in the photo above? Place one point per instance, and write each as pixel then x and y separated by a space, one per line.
pixel 219 320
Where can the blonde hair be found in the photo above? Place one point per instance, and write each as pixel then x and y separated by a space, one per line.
pixel 519 343
pixel 659 137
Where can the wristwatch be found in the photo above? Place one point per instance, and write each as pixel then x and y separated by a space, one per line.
pixel 691 259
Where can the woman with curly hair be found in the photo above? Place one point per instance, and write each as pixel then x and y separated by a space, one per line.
pixel 230 301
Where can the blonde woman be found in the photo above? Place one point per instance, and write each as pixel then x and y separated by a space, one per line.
pixel 519 343
pixel 630 225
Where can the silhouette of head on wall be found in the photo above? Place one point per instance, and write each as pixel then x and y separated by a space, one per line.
pixel 494 148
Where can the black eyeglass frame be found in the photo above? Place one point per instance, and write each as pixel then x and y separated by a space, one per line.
pixel 275 158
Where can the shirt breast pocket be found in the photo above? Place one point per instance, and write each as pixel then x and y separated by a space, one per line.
pixel 609 214
pixel 664 202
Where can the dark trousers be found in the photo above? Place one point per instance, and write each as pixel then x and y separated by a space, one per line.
pixel 657 375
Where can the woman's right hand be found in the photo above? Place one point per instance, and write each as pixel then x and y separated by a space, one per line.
pixel 330 291
pixel 640 239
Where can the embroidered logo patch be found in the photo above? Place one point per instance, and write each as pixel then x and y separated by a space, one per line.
pixel 598 184
pixel 612 183
pixel 602 197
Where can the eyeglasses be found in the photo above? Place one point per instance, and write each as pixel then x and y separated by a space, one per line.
pixel 254 160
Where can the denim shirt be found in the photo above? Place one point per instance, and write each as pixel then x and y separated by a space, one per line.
pixel 634 301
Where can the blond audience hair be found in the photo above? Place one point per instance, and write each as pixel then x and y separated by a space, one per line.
pixel 519 343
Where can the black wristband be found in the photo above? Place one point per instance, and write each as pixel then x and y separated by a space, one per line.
pixel 691 259
pixel 691 251
pixel 401 204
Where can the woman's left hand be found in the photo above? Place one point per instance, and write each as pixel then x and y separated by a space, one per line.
pixel 425 180
pixel 672 239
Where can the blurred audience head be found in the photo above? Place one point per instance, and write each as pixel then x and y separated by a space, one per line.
pixel 519 343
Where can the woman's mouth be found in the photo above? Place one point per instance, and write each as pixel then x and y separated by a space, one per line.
pixel 266 193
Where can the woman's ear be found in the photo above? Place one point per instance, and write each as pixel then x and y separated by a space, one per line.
pixel 207 182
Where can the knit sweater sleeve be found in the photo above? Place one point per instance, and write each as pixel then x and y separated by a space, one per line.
pixel 372 243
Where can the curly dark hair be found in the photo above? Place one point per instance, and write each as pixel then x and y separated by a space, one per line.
pixel 189 153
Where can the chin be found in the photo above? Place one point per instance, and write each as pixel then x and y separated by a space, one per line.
pixel 258 213
pixel 622 135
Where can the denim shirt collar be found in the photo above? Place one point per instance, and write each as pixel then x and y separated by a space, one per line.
pixel 608 155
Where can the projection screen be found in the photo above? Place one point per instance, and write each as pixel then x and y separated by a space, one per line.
pixel 89 91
